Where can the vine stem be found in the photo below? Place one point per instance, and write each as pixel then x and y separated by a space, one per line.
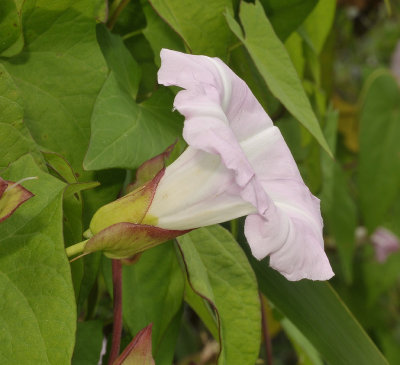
pixel 267 338
pixel 115 15
pixel 75 249
pixel 117 299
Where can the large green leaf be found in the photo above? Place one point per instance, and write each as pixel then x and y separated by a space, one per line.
pixel 59 73
pixel 124 133
pixel 287 15
pixel 15 139
pixel 273 62
pixel 38 313
pixel 317 311
pixel 379 167
pixel 218 270
pixel 153 293
pixel 201 24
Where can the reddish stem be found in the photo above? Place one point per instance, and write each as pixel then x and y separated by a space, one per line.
pixel 117 325
pixel 267 338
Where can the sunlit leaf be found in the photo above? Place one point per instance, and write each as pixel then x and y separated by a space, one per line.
pixel 38 305
pixel 218 271
pixel 275 66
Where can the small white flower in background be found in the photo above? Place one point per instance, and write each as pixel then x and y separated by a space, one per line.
pixel 385 243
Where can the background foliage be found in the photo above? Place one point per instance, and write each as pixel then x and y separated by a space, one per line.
pixel 81 109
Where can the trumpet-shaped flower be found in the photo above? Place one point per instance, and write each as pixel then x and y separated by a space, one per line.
pixel 236 164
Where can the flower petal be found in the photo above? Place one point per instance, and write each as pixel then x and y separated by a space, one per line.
pixel 207 104
pixel 197 190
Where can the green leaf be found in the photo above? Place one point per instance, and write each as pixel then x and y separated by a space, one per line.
pixel 286 15
pixel 379 166
pixel 318 24
pixel 126 70
pixel 305 350
pixel 153 293
pixel 11 40
pixel 337 205
pixel 242 64
pixel 218 270
pixel 203 309
pixel 317 311
pixel 201 24
pixel 273 62
pixel 15 139
pixel 59 74
pixel 159 34
pixel 38 306
pixel 124 133
pixel 89 337
pixel 72 209
pixel 294 47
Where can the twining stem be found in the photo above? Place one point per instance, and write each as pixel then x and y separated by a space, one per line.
pixel 113 19
pixel 117 297
pixel 75 249
pixel 267 338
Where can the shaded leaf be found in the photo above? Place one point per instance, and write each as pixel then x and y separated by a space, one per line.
pixel 317 311
pixel 318 24
pixel 89 337
pixel 286 15
pixel 337 205
pixel 126 70
pixel 153 293
pixel 379 166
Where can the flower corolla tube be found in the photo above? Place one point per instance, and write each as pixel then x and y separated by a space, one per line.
pixel 236 164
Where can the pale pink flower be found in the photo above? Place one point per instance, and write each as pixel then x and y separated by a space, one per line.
pixel 237 164
pixel 385 243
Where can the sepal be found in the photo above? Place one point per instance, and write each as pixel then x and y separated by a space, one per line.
pixel 131 208
pixel 124 240
pixel 150 168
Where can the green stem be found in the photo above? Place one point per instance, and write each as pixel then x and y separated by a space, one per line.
pixel 235 228
pixel 132 34
pixel 76 248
